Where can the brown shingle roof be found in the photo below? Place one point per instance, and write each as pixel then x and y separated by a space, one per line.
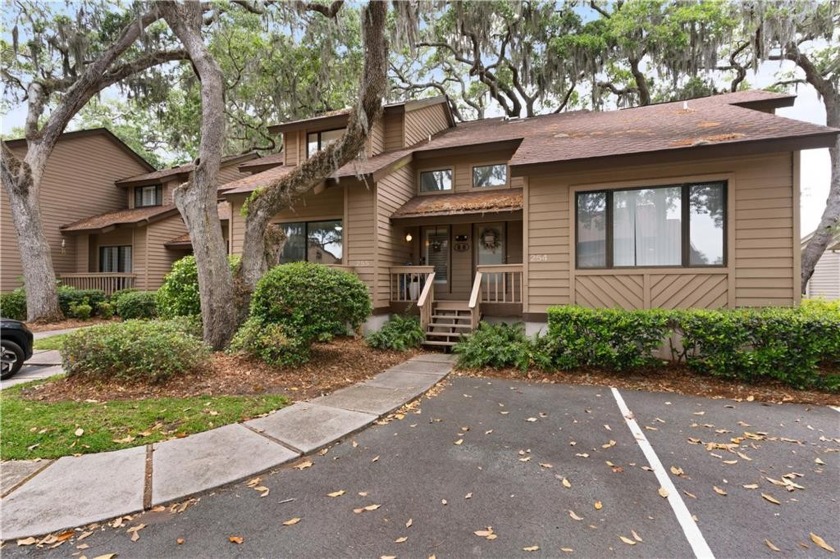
pixel 480 202
pixel 255 181
pixel 267 161
pixel 182 241
pixel 173 172
pixel 121 217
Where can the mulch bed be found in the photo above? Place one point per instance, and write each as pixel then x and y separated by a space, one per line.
pixel 334 365
pixel 69 323
pixel 676 379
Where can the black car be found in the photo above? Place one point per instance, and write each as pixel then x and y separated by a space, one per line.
pixel 17 346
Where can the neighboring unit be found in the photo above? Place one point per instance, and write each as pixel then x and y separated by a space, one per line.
pixel 825 283
pixel 107 231
pixel 676 205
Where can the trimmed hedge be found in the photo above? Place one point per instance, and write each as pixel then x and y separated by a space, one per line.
pixel 179 296
pixel 13 304
pixel 799 347
pixel 70 297
pixel 136 305
pixel 400 333
pixel 134 350
pixel 312 300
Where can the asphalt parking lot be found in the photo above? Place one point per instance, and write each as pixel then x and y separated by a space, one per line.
pixel 492 468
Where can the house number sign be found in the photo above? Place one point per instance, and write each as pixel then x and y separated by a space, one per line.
pixel 538 258
pixel 461 247
pixel 362 263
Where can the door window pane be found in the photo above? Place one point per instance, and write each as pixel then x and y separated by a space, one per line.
pixel 325 242
pixel 592 230
pixel 489 175
pixel 294 250
pixel 647 227
pixel 436 181
pixel 436 249
pixel 707 203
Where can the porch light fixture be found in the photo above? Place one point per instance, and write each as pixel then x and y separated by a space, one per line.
pixel 408 237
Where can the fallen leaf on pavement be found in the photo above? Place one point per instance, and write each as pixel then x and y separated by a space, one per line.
pixel 663 492
pixel 627 540
pixel 677 471
pixel 583 455
pixel 180 541
pixel 26 541
pixel 263 490
pixel 821 542
pixel 375 459
pixel 770 498
pixel 291 521
pixel 409 523
pixel 468 496
pixel 566 483
pixel 459 442
pixel 303 465
pixel 567 549
pixel 531 548
pixel 544 465
pixel 636 536
pixel 609 444
pixel 751 486
pixel 718 490
pixel 574 515
pixel 531 419
pixel 598 505
pixel 338 493
pixel 236 539
pixel 106 556
pixel 820 462
pixel 443 502
pixel 488 533
pixel 401 539
pixel 771 546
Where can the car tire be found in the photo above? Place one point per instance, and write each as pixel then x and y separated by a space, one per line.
pixel 11 359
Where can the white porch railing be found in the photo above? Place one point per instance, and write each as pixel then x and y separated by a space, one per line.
pixel 426 301
pixel 501 283
pixel 475 301
pixel 107 282
pixel 407 282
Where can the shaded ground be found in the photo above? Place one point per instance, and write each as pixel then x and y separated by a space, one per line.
pixel 491 456
pixel 340 363
pixel 68 324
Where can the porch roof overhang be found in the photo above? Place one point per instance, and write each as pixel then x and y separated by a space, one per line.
pixel 103 223
pixel 496 201
pixel 182 242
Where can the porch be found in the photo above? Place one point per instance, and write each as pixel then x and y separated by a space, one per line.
pixel 107 282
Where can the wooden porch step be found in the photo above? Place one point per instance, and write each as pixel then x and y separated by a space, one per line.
pixel 444 325
pixel 452 305
pixel 451 316
pixel 440 344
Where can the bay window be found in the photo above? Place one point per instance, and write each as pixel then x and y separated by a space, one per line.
pixel 674 225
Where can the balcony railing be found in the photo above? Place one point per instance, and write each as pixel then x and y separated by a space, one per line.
pixel 407 282
pixel 107 282
pixel 501 284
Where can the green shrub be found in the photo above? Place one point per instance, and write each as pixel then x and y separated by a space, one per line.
pixel 70 296
pixel 179 296
pixel 105 310
pixel 786 344
pixel 270 343
pixel 313 301
pixel 82 310
pixel 400 333
pixel 148 351
pixel 137 304
pixel 115 297
pixel 495 345
pixel 13 304
pixel 190 325
pixel 608 338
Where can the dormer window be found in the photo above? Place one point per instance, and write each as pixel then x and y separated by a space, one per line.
pixel 316 141
pixel 145 196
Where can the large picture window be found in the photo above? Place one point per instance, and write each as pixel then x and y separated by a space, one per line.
pixel 316 141
pixel 674 225
pixel 320 242
pixel 436 181
pixel 489 175
pixel 115 259
pixel 148 196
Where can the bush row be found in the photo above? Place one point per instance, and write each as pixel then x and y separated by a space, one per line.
pixel 86 303
pixel 799 347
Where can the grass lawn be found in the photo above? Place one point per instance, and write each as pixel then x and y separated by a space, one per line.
pixel 52 342
pixel 31 429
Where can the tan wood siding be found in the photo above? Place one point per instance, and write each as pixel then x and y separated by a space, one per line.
pixel 159 259
pixel 376 140
pixel 290 147
pixel 78 183
pixel 826 279
pixel 393 133
pixel 425 122
pixel 237 223
pixel 360 233
pixel 761 268
pixel 391 250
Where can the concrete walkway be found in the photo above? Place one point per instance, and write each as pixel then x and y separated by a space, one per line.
pixel 43 364
pixel 44 496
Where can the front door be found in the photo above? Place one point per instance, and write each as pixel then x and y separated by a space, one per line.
pixel 436 251
pixel 490 244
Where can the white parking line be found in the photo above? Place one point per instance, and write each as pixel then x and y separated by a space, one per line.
pixel 692 532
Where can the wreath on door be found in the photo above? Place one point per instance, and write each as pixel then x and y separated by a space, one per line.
pixel 490 238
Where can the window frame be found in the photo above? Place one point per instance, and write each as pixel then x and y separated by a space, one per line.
pixel 306 224
pixel 120 253
pixel 685 225
pixel 420 173
pixel 138 195
pixel 500 164
pixel 320 141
